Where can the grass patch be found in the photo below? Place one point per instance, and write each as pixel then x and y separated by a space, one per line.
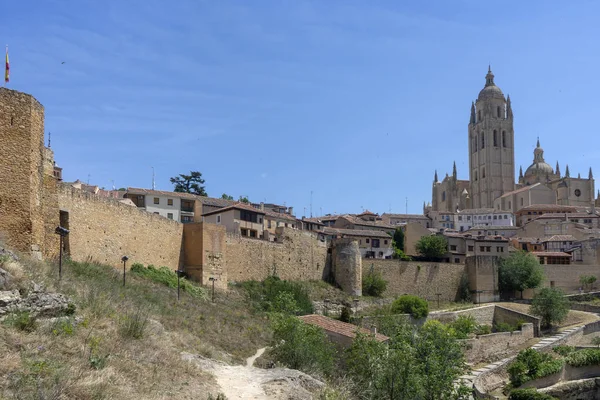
pixel 168 277
pixel 133 324
pixel 22 321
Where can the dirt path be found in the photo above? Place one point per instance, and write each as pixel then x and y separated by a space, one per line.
pixel 239 382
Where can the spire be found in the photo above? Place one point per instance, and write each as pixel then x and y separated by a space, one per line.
pixel 538 142
pixel 567 173
pixel 489 78
pixel 557 172
pixel 509 113
pixel 591 176
pixel 435 177
pixel 521 172
pixel 454 170
pixel 472 120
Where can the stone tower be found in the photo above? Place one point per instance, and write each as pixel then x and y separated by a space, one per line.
pixel 491 146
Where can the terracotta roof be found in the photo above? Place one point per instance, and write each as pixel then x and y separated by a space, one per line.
pixel 150 192
pixel 357 221
pixel 313 221
pixel 274 214
pixel 339 327
pixel 215 202
pixel 366 212
pixel 355 232
pixel 523 189
pixel 237 206
pixel 544 207
pixel 528 240
pixel 550 253
pixel 328 217
pixel 561 238
pixel 405 216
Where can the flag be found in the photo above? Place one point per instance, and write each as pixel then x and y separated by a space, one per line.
pixel 7 68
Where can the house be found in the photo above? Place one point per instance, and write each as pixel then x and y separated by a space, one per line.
pixel 401 219
pixel 365 221
pixel 482 217
pixel 531 212
pixel 441 219
pixel 529 244
pixel 559 243
pixel 311 224
pixel 413 232
pixel 461 246
pixel 239 219
pixel 371 243
pixel 505 231
pixel 340 333
pixel 209 204
pixel 552 257
pixel 177 206
pixel 273 220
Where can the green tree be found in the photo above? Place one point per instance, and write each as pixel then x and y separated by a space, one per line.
pixel 520 271
pixel 373 284
pixel 399 239
pixel 191 183
pixel 244 199
pixel 551 305
pixel 587 281
pixel 225 196
pixel 433 247
pixel 301 346
pixel 409 304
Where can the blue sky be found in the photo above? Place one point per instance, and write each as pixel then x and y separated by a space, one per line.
pixel 356 101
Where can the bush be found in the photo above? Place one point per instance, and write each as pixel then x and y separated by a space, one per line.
pixel 563 350
pixel 23 321
pixel 530 364
pixel 433 247
pixel 596 341
pixel 584 357
pixel 528 394
pixel 483 330
pixel 463 326
pixel 464 293
pixel 413 305
pixel 265 294
pixel 506 327
pixel 133 324
pixel 301 346
pixel 345 314
pixel 168 277
pixel 401 255
pixel 373 284
pixel 551 305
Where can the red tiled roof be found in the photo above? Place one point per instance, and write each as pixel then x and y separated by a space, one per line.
pixel 405 216
pixel 366 212
pixel 237 206
pixel 561 238
pixel 161 193
pixel 339 327
pixel 358 221
pixel 550 253
pixel 274 214
pixel 356 232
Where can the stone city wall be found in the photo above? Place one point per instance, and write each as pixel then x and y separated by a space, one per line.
pixel 423 279
pixel 566 277
pixel 296 255
pixel 512 317
pixel 103 230
pixel 483 315
pixel 496 346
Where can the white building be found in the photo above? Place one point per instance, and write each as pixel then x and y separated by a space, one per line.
pixel 481 217
pixel 172 205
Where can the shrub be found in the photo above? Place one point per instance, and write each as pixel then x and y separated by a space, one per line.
pixel 530 364
pixel 23 321
pixel 373 284
pixel 301 346
pixel 345 314
pixel 506 327
pixel 168 277
pixel 464 292
pixel 264 294
pixel 550 304
pixel 433 247
pixel 413 305
pixel 285 303
pixel 463 326
pixel 483 330
pixel 528 394
pixel 596 341
pixel 563 350
pixel 133 324
pixel 584 357
pixel 401 255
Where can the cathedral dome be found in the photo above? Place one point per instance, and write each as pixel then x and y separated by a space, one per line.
pixel 539 166
pixel 490 91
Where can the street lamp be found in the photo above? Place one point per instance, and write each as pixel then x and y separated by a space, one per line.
pixel 213 279
pixel 62 232
pixel 124 259
pixel 179 273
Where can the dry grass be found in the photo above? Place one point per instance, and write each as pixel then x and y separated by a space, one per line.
pixel 96 359
pixel 574 318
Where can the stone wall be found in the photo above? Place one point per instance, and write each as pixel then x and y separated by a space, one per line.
pixel 423 279
pixel 296 255
pixel 495 346
pixel 483 315
pixel 347 265
pixel 204 253
pixel 103 230
pixel 566 277
pixel 511 317
pixel 483 277
pixel 21 173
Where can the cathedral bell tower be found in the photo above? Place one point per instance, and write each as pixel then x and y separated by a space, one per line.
pixel 491 146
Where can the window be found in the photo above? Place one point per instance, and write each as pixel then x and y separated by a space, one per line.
pixel 498 111
pixel 244 231
pixel 521 201
pixel 476 145
pixel 500 249
pixel 260 220
pixel 269 223
pixel 482 172
pixel 169 202
pixel 496 136
pixel 366 240
pixel 375 243
pixel 488 249
pixel 471 248
pixel 495 217
pixel 170 216
pixel 468 218
pixel 187 218
pixel 385 242
pixel 286 225
pixel 453 247
pixel 479 116
pixel 156 200
pixel 509 205
pixel 475 175
pixel 252 233
pixel 249 216
pixel 381 254
pixel 444 195
pixel 218 218
pixel 482 249
pixel 483 140
pixel 505 216
pixel 460 217
pixel 457 260
pixel 503 138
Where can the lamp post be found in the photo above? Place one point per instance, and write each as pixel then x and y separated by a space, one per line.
pixel 124 259
pixel 61 232
pixel 178 272
pixel 213 279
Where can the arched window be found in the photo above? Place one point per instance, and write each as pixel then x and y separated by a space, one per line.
pixel 503 138
pixel 444 195
pixel 495 138
pixel 498 109
pixel 483 140
pixel 483 173
pixel 475 175
pixel 475 147
pixel 479 116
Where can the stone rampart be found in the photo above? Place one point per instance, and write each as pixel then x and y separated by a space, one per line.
pixel 496 346
pixel 347 265
pixel 103 230
pixel 424 279
pixel 566 277
pixel 296 255
pixel 512 317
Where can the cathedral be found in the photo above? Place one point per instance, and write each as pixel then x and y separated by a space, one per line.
pixel 492 182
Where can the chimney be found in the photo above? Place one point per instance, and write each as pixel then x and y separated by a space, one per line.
pixel 291 210
pixel 262 206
